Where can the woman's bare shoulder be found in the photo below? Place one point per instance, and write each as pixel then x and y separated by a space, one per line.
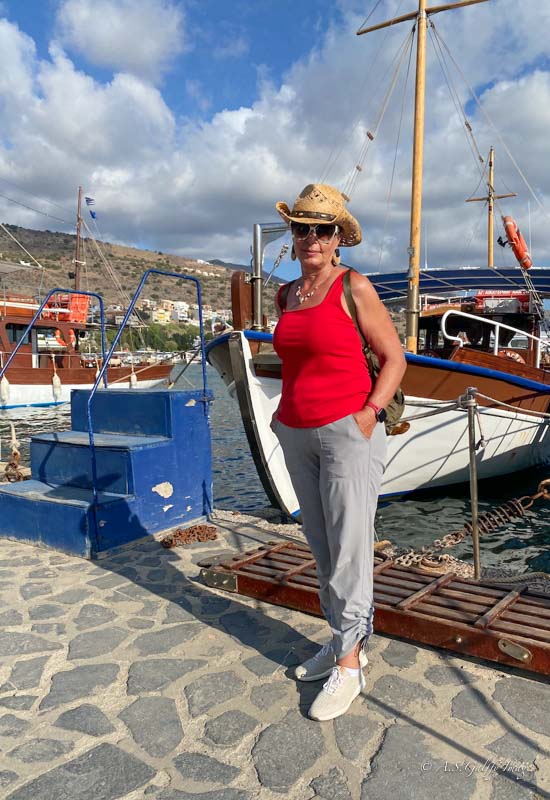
pixel 361 286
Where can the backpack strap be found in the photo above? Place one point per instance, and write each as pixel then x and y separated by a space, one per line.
pixel 282 295
pixel 346 285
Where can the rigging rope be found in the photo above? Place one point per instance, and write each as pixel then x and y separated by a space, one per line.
pixel 364 23
pixel 495 129
pixel 35 196
pixel 539 304
pixel 34 210
pixel 475 229
pixel 336 152
pixel 114 278
pixel 527 411
pixel 349 186
pixel 282 253
pixel 18 243
pixel 388 202
pixel 439 44
pixel 435 40
pixel 485 171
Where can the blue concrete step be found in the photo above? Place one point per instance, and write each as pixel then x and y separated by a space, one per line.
pixel 141 412
pixel 60 517
pixel 64 459
pixel 153 457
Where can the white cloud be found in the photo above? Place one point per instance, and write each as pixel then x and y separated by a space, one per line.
pixel 197 92
pixel 138 36
pixel 17 60
pixel 235 47
pixel 197 187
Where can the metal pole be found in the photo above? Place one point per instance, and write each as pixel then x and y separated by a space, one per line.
pixel 77 261
pixel 416 192
pixel 490 210
pixel 471 406
pixel 256 278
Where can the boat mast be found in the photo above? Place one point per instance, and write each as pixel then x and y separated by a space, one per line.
pixel 77 261
pixel 421 16
pixel 490 200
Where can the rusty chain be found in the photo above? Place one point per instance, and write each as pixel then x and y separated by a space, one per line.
pixel 428 558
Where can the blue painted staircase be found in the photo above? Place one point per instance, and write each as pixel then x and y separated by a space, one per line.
pixel 153 472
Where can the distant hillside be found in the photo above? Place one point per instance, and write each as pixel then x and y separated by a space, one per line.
pixel 228 264
pixel 55 251
pixel 235 267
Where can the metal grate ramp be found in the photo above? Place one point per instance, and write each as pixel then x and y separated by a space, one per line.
pixel 503 624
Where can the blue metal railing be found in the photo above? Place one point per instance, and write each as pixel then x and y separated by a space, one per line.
pixel 38 313
pixel 106 360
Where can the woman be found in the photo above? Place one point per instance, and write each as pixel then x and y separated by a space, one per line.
pixel 329 423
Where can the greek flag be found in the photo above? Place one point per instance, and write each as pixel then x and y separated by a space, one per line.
pixel 89 201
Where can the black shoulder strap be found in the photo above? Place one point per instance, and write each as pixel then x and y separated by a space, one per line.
pixel 346 284
pixel 283 296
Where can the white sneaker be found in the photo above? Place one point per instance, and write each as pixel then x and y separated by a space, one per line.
pixel 318 666
pixel 337 694
pixel 322 663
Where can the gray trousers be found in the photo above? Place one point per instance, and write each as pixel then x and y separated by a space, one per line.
pixel 336 473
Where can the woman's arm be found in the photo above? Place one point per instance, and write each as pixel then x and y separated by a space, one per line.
pixel 380 333
pixel 279 313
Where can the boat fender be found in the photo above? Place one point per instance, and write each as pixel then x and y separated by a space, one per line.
pixel 133 380
pixel 513 355
pixel 56 385
pixel 4 390
pixel 59 338
pixel 517 242
pixel 72 337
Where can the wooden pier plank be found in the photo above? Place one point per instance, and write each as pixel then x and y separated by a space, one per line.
pixel 493 613
pixel 421 594
pixel 445 611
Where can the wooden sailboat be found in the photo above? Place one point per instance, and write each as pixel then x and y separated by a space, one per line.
pixel 51 362
pixel 489 340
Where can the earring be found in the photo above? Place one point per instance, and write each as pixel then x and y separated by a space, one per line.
pixel 336 257
pixel 293 254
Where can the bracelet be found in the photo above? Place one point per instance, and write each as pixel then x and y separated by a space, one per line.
pixel 376 409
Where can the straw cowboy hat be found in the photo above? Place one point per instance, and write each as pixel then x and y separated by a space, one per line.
pixel 321 203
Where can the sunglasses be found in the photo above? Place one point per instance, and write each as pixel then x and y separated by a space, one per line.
pixel 322 231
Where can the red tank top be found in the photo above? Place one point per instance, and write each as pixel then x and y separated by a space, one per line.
pixel 325 376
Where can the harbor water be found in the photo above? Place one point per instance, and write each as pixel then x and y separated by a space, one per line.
pixel 414 521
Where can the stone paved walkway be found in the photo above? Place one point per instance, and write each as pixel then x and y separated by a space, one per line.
pixel 127 678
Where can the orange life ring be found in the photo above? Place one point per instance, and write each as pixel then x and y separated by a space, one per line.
pixel 517 242
pixel 72 337
pixel 59 338
pixel 513 355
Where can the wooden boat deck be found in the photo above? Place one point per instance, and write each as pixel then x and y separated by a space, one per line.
pixel 503 624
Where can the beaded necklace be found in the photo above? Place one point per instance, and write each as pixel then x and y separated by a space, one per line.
pixel 303 297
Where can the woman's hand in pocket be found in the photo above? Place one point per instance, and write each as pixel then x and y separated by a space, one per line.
pixel 366 421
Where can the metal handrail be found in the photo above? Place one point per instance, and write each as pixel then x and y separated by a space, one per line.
pixel 263 234
pixel 493 323
pixel 38 313
pixel 112 349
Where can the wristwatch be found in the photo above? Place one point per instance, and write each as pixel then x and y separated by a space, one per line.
pixel 380 413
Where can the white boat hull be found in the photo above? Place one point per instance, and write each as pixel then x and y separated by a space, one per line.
pixel 434 452
pixel 43 395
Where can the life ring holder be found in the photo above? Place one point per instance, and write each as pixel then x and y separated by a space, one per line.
pixel 517 242
pixel 511 354
pixel 59 338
